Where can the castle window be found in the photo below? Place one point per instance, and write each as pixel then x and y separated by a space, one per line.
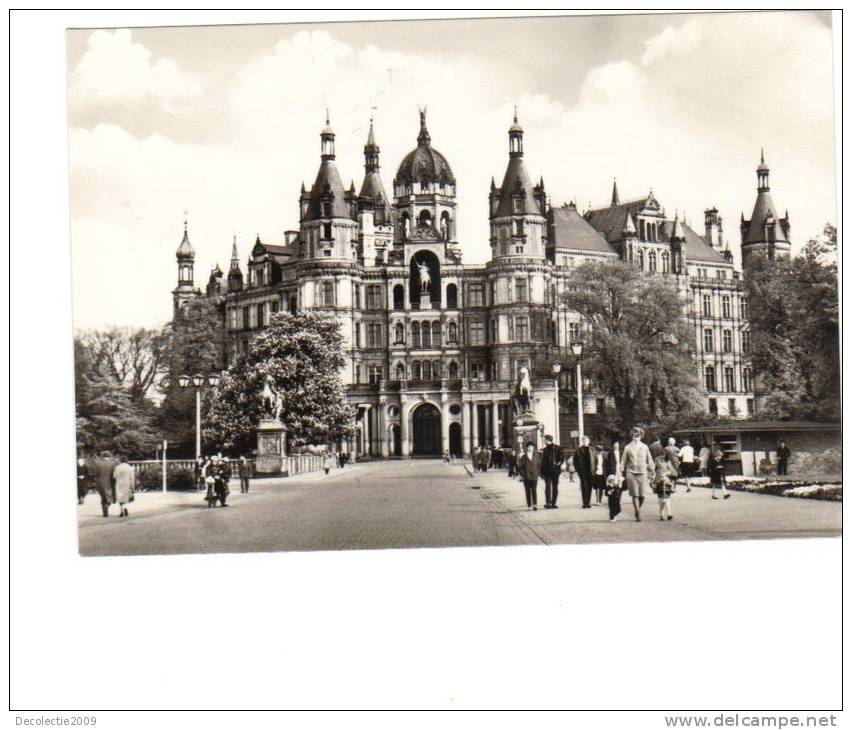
pixel 436 334
pixel 426 219
pixel 476 333
pixel 477 371
pixel 511 323
pixel 426 370
pixel 474 295
pixel 374 374
pixel 358 334
pixel 425 335
pixel 726 306
pixel 729 379
pixel 294 305
pixel 641 230
pixel 453 371
pixel 374 335
pixel 710 378
pixel 400 372
pixel 712 407
pixel 436 369
pixel 519 228
pixel 518 205
pixel 452 333
pixel 246 318
pixel 415 335
pixel 746 340
pixel 399 334
pixel 727 341
pixel 708 305
pixel 399 297
pixel 666 262
pixel 520 290
pixel 641 259
pixel 327 294
pixel 521 329
pixel 326 231
pixel 750 406
pixel 415 370
pixel 744 308
pixel 452 296
pixel 747 385
pixel 326 209
pixel 573 331
pixel 374 296
pixel 708 340
pixel 652 261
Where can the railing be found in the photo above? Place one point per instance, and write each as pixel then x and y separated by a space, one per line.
pixel 302 463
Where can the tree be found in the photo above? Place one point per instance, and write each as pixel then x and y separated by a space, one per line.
pixel 107 417
pixel 793 310
pixel 136 358
pixel 302 355
pixel 194 346
pixel 639 346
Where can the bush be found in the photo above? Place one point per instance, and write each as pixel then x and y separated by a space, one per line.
pixel 178 477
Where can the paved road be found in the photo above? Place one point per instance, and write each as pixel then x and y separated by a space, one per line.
pixel 424 503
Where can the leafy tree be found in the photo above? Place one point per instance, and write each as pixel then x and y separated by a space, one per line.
pixel 194 345
pixel 793 309
pixel 107 416
pixel 639 343
pixel 301 355
pixel 136 358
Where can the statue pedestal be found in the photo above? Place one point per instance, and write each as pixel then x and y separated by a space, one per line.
pixel 271 447
pixel 425 300
pixel 527 428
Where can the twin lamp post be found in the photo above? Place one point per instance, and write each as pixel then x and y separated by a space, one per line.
pixel 556 367
pixel 198 381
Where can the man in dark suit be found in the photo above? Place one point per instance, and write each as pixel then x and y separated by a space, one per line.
pixel 104 481
pixel 584 459
pixel 552 459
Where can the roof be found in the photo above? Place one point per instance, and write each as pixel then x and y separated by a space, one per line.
pixel 328 186
pixel 610 220
pixel 517 180
pixel 763 208
pixel 568 229
pixel 373 188
pixel 274 248
pixel 782 426
pixel 424 161
pixel 695 248
pixel 185 248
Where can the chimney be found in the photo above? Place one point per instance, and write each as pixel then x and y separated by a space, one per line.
pixel 713 229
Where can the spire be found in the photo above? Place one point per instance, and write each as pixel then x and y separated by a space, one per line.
pixel 762 174
pixel 516 137
pixel 677 229
pixel 615 199
pixel 371 151
pixel 493 185
pixel 423 139
pixel 185 249
pixel 327 139
pixel 235 256
pixel 629 230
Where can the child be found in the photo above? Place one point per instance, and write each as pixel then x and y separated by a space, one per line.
pixel 613 494
pixel 664 486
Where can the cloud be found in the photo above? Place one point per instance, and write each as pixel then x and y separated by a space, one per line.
pixel 672 41
pixel 116 71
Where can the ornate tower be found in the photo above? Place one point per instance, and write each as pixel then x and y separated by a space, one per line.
pixel 327 222
pixel 185 289
pixel 374 210
pixel 765 234
pixel 713 229
pixel 517 208
pixel 235 274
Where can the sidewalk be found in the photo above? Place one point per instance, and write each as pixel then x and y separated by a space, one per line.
pixel 158 502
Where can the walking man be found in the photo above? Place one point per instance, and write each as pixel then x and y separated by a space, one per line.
pixel 636 466
pixel 82 479
pixel 551 466
pixel 104 481
pixel 783 454
pixel 584 458
pixel 245 473
pixel 529 468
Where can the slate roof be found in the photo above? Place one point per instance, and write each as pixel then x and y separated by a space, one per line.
pixel 568 229
pixel 763 207
pixel 695 247
pixel 424 161
pixel 185 248
pixel 610 220
pixel 516 178
pixel 327 183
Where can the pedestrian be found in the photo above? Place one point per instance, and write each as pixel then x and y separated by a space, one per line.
pixel 716 465
pixel 552 459
pixel 783 455
pixel 656 448
pixel 198 472
pixel 124 478
pixel 687 462
pixel 223 477
pixel 704 459
pixel 82 480
pixel 244 470
pixel 664 474
pixel 584 458
pixel 599 471
pixel 104 481
pixel 485 458
pixel 529 468
pixel 512 458
pixel 209 472
pixel 673 455
pixel 328 461
pixel 474 458
pixel 613 496
pixel 569 467
pixel 636 466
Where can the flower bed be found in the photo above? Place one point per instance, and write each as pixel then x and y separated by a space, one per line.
pixel 801 489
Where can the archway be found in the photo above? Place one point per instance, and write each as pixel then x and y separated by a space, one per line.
pixel 426 430
pixel 455 439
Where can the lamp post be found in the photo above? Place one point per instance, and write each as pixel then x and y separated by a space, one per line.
pixel 198 381
pixel 577 348
pixel 556 367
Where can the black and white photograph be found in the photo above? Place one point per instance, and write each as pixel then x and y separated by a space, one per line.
pixel 552 289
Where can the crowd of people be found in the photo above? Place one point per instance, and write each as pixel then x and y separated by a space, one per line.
pixel 112 477
pixel 213 476
pixel 606 470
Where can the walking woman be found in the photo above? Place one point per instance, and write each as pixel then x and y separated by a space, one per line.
pixel 716 466
pixel 125 485
pixel 704 459
pixel 328 461
pixel 529 468
pixel 245 474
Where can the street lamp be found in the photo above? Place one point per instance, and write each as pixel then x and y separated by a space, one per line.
pixel 198 381
pixel 556 367
pixel 577 349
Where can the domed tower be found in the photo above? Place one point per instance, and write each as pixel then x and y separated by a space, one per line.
pixel 185 289
pixel 328 224
pixel 424 192
pixel 517 208
pixel 766 234
pixel 374 210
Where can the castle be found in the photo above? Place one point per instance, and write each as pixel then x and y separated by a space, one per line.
pixel 433 346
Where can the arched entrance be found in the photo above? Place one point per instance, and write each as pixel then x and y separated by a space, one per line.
pixel 395 442
pixel 426 430
pixel 455 439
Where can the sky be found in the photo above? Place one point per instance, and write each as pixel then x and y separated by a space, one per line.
pixel 222 123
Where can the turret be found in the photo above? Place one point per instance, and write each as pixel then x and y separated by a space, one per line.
pixel 235 274
pixel 374 220
pixel 677 240
pixel 765 234
pixel 214 283
pixel 185 256
pixel 713 229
